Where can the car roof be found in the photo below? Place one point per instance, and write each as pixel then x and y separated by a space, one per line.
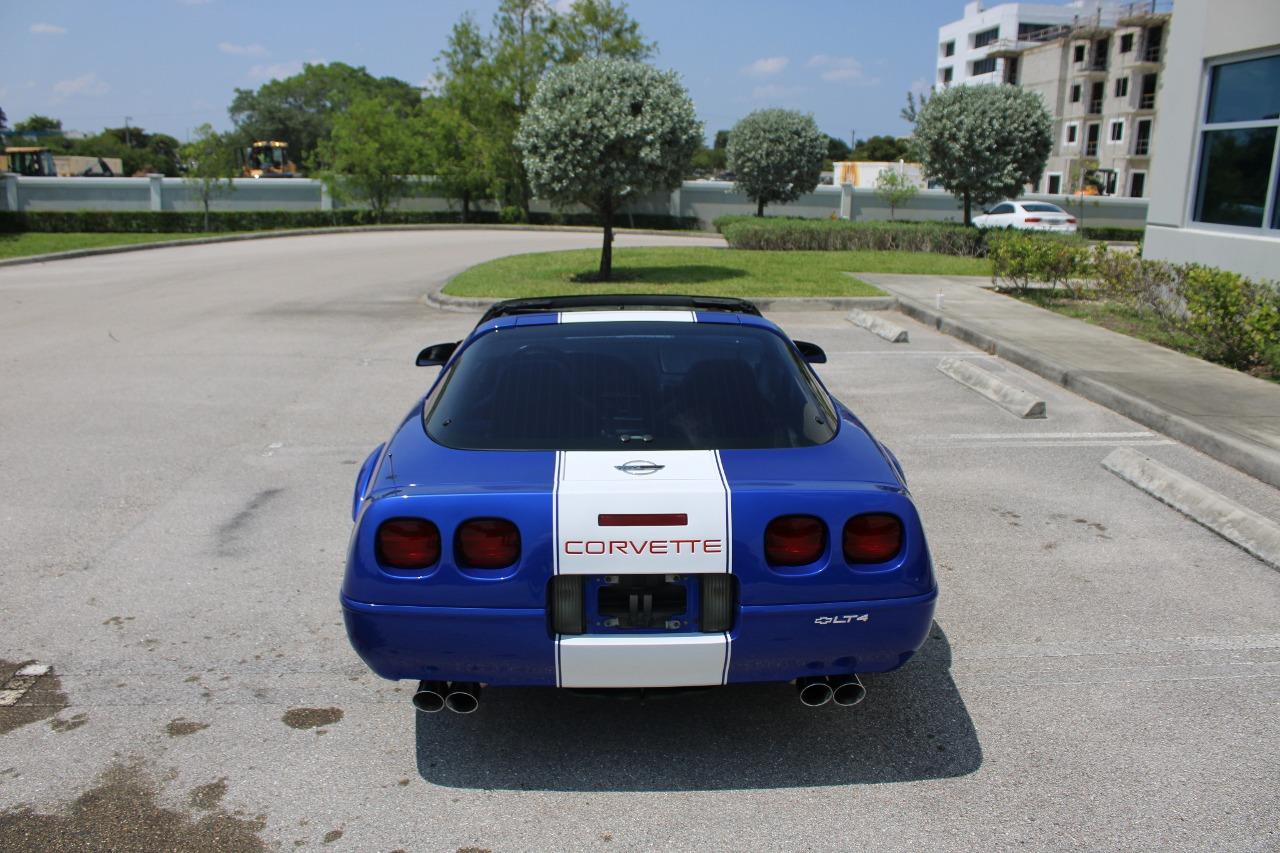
pixel 618 302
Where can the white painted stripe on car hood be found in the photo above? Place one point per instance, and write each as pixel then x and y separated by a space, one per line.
pixel 627 317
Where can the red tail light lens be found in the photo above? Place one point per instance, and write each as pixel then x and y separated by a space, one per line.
pixel 872 538
pixel 1071 220
pixel 488 543
pixel 794 540
pixel 1033 219
pixel 408 543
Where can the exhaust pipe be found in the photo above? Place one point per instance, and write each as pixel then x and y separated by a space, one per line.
pixel 814 691
pixel 847 690
pixel 429 697
pixel 463 697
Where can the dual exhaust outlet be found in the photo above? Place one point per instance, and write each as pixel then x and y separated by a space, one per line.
pixel 845 690
pixel 461 697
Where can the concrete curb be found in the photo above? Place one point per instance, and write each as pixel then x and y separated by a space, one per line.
pixel 437 298
pixel 1012 399
pixel 342 229
pixel 892 333
pixel 1224 447
pixel 1242 527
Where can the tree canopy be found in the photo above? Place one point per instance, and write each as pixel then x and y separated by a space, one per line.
pixel 209 163
pixel 301 109
pixel 596 28
pixel 776 156
pixel 885 149
pixel 373 149
pixel 604 130
pixel 983 143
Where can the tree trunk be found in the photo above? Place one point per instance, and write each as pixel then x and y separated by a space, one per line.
pixel 760 207
pixel 606 250
pixel 968 220
pixel 466 205
pixel 206 213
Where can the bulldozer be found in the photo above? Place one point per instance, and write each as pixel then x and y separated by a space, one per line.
pixel 33 162
pixel 268 158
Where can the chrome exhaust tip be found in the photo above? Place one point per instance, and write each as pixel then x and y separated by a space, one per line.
pixel 814 691
pixel 463 697
pixel 848 690
pixel 429 697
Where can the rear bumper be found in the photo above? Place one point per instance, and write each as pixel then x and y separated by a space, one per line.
pixel 515 646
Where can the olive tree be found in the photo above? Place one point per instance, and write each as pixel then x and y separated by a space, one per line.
pixel 776 155
pixel 895 189
pixel 209 161
pixel 603 130
pixel 983 143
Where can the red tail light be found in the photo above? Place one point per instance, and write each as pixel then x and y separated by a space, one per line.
pixel 872 538
pixel 1033 219
pixel 794 540
pixel 1071 220
pixel 408 543
pixel 488 543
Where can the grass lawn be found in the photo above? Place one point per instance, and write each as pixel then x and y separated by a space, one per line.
pixel 704 270
pixel 40 243
pixel 1109 315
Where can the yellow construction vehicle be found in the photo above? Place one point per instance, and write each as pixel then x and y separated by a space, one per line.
pixel 268 159
pixel 28 160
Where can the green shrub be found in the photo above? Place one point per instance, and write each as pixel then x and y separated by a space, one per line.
pixel 1021 258
pixel 1113 234
pixel 1234 320
pixel 179 222
pixel 775 233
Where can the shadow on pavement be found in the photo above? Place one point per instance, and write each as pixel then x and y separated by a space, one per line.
pixel 913 725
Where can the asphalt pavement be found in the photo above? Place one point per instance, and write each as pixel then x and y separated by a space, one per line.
pixel 179 435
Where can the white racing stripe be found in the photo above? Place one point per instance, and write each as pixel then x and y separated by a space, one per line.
pixel 628 317
pixel 690 484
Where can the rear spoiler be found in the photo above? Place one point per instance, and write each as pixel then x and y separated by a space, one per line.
pixel 618 302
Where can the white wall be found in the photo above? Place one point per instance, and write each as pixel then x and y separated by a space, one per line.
pixel 1200 31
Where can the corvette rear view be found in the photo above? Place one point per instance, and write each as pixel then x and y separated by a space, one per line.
pixel 632 492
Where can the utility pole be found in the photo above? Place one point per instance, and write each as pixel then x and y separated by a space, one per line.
pixel 127 139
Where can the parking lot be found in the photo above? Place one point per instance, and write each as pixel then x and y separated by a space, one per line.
pixel 179 435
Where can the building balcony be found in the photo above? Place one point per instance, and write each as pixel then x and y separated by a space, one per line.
pixel 1146 13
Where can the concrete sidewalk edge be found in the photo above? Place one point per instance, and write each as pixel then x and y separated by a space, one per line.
pixel 1224 447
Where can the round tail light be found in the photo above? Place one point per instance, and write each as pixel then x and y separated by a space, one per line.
pixel 794 540
pixel 408 543
pixel 872 538
pixel 488 543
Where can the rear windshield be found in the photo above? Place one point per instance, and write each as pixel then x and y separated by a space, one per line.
pixel 617 385
pixel 1041 207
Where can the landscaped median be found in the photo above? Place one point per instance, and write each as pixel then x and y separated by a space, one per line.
pixel 35 243
pixel 701 270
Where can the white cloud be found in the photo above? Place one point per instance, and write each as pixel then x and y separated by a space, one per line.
pixel 842 69
pixel 43 29
pixel 766 67
pixel 254 49
pixel 276 70
pixel 775 92
pixel 85 84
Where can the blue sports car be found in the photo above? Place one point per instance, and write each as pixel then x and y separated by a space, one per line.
pixel 632 492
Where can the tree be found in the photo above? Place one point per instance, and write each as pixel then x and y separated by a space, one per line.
pixel 37 127
pixel 372 150
pixel 461 121
pixel 913 107
pixel 602 130
pixel 300 109
pixel 881 149
pixel 838 149
pixel 210 164
pixel 895 189
pixel 776 156
pixel 521 54
pixel 596 28
pixel 984 143
pixel 722 140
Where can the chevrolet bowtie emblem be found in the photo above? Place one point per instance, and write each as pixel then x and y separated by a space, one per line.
pixel 639 467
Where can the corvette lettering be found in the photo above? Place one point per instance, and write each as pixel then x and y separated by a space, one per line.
pixel 656 547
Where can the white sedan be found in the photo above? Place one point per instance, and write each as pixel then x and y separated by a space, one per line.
pixel 1028 215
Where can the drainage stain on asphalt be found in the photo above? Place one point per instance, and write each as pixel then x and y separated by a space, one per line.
pixel 182 727
pixel 68 725
pixel 310 718
pixel 123 813
pixel 41 697
pixel 208 796
pixel 230 530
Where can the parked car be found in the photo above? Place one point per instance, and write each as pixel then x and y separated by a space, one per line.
pixel 1027 215
pixel 632 492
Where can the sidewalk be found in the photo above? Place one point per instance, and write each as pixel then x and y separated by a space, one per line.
pixel 1226 414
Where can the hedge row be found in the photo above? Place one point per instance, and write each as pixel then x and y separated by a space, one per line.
pixel 178 222
pixel 841 235
pixel 1113 235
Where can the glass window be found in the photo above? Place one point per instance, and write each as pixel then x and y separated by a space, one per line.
pixel 1003 208
pixel 1073 133
pixel 1126 42
pixel 1055 184
pixel 1245 91
pixel 613 385
pixel 1041 207
pixel 949 48
pixel 984 66
pixel 1079 53
pixel 1117 130
pixel 1122 87
pixel 1075 93
pixel 986 37
pixel 1234 169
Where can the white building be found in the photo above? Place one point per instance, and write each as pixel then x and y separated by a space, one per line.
pixel 964 46
pixel 1215 172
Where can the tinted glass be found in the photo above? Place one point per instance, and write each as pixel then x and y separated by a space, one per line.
pixel 610 386
pixel 1002 208
pixel 1234 167
pixel 1041 207
pixel 1245 91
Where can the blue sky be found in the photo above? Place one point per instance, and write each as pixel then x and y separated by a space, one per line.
pixel 172 64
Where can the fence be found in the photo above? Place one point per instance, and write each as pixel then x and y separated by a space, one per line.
pixel 705 200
